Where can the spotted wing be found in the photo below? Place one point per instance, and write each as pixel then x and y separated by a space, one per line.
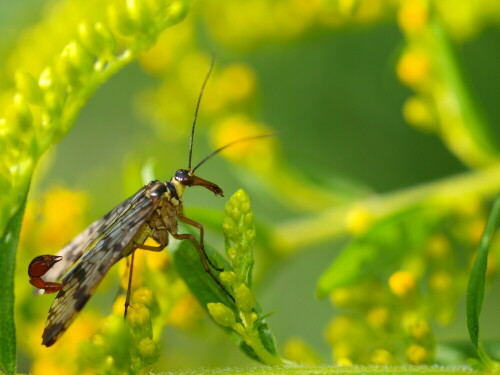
pixel 105 250
pixel 83 242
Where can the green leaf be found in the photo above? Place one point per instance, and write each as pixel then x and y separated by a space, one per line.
pixel 8 246
pixel 379 250
pixel 188 263
pixel 477 281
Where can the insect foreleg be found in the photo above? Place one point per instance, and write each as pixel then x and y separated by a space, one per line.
pixel 202 255
pixel 202 243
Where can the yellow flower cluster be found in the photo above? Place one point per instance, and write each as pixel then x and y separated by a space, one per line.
pixel 428 65
pixel 386 319
pixel 78 46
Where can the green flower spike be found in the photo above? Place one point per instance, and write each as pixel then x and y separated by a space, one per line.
pixel 249 324
pixel 240 234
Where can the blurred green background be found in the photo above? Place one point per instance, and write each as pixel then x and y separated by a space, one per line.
pixel 333 96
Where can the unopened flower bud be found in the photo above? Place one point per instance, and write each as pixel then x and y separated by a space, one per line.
pixel 222 314
pixel 245 299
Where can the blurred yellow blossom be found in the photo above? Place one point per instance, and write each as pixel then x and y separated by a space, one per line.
pixel 343 361
pixel 63 354
pixel 186 313
pixel 413 67
pixel 417 112
pixel 359 218
pixel 258 153
pixel 59 218
pixel 441 281
pixel 381 357
pixel 298 351
pixel 379 316
pixel 412 15
pixel 62 216
pixel 402 283
pixel 417 354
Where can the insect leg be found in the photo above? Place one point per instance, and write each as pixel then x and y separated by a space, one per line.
pixel 129 285
pixel 202 256
pixel 202 243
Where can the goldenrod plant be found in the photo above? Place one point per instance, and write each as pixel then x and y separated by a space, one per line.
pixel 349 242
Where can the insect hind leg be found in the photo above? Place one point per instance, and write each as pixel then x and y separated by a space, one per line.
pixel 202 243
pixel 202 255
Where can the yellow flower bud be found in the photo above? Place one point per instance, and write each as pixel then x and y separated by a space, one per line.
pixel 222 314
pixel 148 351
pixel 177 11
pixel 73 62
pixel 20 114
pixel 120 21
pixel 138 315
pixel 227 277
pixel 232 253
pixel 27 86
pixel 418 113
pixel 140 14
pixel 143 296
pixel 46 80
pixel 107 37
pixel 417 354
pixel 245 299
pixel 90 38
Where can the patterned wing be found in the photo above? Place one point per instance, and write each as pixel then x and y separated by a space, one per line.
pixel 83 242
pixel 106 249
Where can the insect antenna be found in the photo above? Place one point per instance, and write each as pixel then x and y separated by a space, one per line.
pixel 198 107
pixel 232 144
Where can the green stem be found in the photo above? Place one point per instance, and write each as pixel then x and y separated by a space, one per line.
pixel 253 340
pixel 331 223
pixel 309 370
pixel 8 246
pixel 470 135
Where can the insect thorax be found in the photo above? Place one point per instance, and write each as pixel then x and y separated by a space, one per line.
pixel 170 190
pixel 163 219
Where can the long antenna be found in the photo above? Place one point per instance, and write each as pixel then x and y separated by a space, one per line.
pixel 231 144
pixel 198 107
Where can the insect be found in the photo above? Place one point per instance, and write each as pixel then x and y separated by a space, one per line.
pixel 152 211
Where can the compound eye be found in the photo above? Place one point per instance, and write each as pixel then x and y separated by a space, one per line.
pixel 184 177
